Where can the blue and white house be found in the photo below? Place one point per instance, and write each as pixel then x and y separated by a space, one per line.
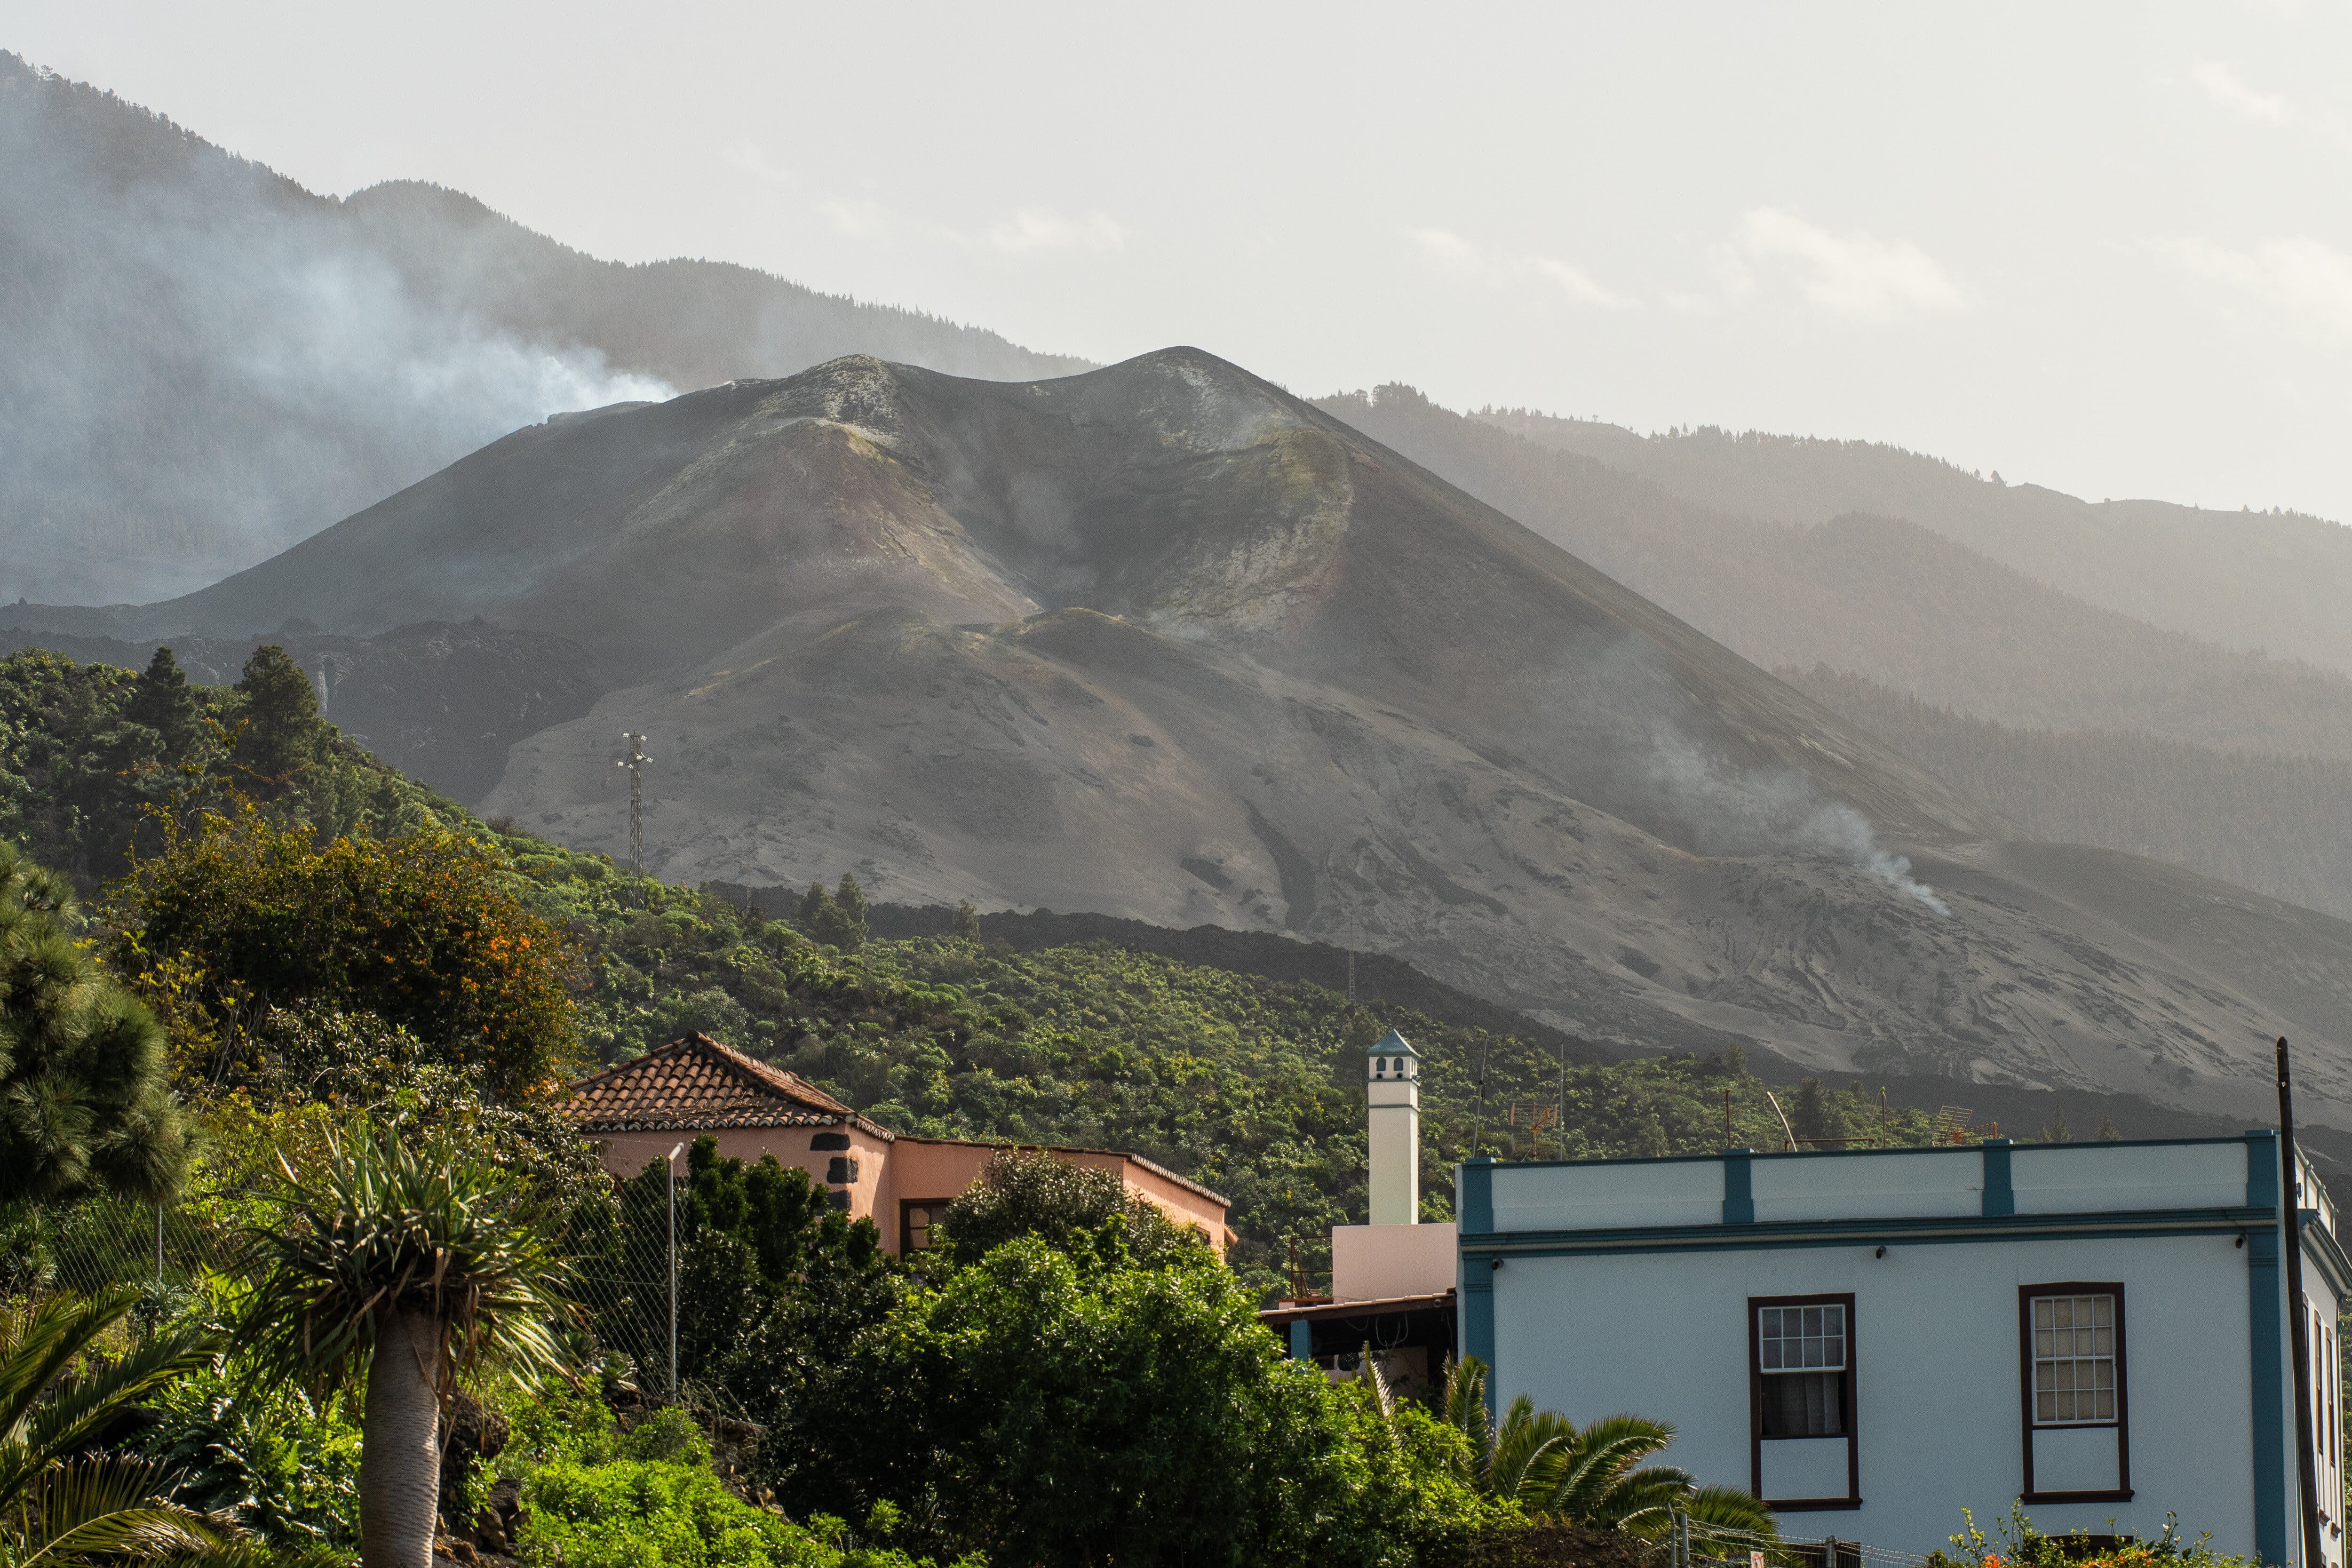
pixel 1872 1340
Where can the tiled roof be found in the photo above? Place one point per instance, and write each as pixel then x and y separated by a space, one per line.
pixel 696 1084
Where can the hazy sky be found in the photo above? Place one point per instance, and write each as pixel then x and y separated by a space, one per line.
pixel 2103 247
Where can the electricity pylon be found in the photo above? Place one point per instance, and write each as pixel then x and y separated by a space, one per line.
pixel 635 760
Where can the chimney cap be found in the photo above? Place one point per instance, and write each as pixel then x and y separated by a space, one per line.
pixel 1392 1045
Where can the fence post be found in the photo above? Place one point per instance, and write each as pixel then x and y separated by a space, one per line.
pixel 159 1244
pixel 673 1272
pixel 1678 1539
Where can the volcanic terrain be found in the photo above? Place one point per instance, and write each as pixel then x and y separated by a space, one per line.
pixel 1163 641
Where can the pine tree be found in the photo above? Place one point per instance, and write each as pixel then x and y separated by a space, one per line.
pixel 849 902
pixel 281 715
pixel 967 921
pixel 85 1102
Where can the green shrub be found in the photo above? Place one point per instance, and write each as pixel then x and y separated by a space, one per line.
pixel 645 1513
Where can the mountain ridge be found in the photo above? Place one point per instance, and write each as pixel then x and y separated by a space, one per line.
pixel 1163 642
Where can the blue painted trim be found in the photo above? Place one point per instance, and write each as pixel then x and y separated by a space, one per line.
pixel 1479 1319
pixel 2265 1334
pixel 1302 1340
pixel 2000 1198
pixel 1851 1232
pixel 1474 1182
pixel 1738 1187
pixel 2081 1146
pixel 2261 1169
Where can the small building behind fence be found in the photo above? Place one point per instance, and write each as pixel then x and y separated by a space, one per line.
pixel 638 1111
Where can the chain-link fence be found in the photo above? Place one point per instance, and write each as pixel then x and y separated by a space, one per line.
pixel 1693 1544
pixel 620 1272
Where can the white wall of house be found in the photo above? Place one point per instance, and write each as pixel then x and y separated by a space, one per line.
pixel 1632 1285
pixel 1936 1358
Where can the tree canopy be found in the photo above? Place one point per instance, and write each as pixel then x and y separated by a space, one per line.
pixel 428 931
pixel 85 1098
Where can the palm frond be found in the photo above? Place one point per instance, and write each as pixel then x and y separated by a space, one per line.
pixel 80 1406
pixel 95 1509
pixel 1732 1507
pixel 38 1345
pixel 390 1226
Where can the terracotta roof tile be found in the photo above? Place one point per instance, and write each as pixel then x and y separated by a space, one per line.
pixel 696 1084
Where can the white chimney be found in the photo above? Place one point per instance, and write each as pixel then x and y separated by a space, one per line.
pixel 1393 1093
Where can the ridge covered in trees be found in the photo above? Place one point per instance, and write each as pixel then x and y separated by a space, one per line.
pixel 2272 823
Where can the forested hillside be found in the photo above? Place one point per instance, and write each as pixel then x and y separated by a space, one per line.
pixel 2279 824
pixel 201 362
pixel 1885 599
pixel 2249 580
pixel 1248 1084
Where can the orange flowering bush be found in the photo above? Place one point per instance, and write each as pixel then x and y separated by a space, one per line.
pixel 427 930
pixel 2016 1544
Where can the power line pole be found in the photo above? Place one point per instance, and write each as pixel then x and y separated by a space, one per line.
pixel 635 760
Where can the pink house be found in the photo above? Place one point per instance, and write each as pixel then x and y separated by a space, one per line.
pixel 638 1111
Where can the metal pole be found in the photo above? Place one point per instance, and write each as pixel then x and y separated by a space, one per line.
pixel 2290 1203
pixel 673 1272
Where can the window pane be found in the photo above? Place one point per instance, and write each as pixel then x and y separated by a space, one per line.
pixel 1790 1338
pixel 2074 1350
pixel 1804 1404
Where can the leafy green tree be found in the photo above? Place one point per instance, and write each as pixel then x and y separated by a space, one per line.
pixel 162 700
pixel 63 1502
pixel 1068 1409
pixel 85 1102
pixel 282 728
pixel 967 922
pixel 765 1264
pixel 406 1268
pixel 1591 1474
pixel 1031 1193
pixel 429 931
pixel 836 919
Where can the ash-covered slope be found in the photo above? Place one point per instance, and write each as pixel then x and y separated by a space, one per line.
pixel 1163 641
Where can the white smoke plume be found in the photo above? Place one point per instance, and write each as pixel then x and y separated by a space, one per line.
pixel 1736 811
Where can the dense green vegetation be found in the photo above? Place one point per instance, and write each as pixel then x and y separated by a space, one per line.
pixel 1247 1085
pixel 2274 823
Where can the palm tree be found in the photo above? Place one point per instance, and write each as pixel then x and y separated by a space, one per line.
pixel 1590 1475
pixel 413 1268
pixel 61 1505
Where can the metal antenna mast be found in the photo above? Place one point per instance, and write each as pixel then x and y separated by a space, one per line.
pixel 1351 958
pixel 636 761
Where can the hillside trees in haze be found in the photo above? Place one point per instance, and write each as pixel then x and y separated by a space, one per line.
pixel 2278 824
pixel 1880 597
pixel 2274 579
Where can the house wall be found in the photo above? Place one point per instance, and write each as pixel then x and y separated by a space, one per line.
pixel 941 1168
pixel 1936 1358
pixel 1625 1284
pixel 625 1154
pixel 1381 1262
